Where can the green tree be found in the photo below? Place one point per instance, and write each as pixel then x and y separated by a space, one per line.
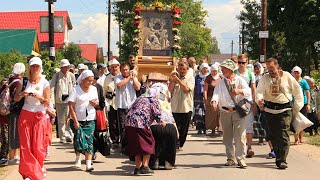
pixel 48 65
pixel 72 52
pixel 214 48
pixel 196 37
pixel 7 60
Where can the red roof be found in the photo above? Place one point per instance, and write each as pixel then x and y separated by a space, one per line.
pixel 89 51
pixel 31 20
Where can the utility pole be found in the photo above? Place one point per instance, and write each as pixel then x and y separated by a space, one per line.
pixel 109 28
pixel 239 44
pixel 232 48
pixel 263 41
pixel 242 38
pixel 51 29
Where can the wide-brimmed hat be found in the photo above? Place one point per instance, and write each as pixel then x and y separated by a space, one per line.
pixel 64 63
pixel 229 64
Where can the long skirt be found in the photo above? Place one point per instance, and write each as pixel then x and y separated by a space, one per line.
pixel 31 130
pixel 199 115
pixel 140 141
pixel 48 137
pixel 165 147
pixel 83 137
pixel 211 116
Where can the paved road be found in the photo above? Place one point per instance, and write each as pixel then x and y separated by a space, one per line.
pixel 202 157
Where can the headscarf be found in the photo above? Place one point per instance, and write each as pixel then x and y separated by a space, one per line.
pixel 204 65
pixel 215 67
pixel 296 68
pixel 160 91
pixel 83 75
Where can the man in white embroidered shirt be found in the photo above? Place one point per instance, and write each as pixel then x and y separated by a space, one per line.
pixel 233 126
pixel 274 95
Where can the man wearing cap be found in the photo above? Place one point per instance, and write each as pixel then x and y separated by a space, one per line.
pixel 274 95
pixel 101 70
pixel 233 126
pixel 61 86
pixel 110 93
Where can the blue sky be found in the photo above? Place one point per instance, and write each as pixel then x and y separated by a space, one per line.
pixel 89 19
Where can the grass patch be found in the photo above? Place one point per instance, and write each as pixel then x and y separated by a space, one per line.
pixel 313 140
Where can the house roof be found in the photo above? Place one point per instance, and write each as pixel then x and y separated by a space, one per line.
pixel 219 57
pixel 89 52
pixel 23 40
pixel 31 20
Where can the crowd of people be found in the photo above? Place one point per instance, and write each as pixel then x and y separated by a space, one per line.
pixel 149 118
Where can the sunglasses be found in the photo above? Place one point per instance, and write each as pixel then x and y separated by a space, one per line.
pixel 241 62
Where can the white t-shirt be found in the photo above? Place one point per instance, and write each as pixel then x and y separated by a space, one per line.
pixel 84 111
pixel 246 77
pixel 31 103
pixel 101 80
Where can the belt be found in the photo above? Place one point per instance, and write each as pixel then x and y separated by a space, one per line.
pixel 276 106
pixel 230 109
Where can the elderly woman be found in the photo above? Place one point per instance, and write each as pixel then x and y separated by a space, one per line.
pixel 312 114
pixel 296 73
pixel 32 121
pixel 211 116
pixel 198 98
pixel 141 142
pixel 165 138
pixel 18 73
pixel 82 103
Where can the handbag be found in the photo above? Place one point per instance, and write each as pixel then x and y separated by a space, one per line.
pixel 101 123
pixel 243 107
pixel 102 143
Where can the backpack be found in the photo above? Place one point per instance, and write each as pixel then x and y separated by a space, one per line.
pixel 15 107
pixel 5 99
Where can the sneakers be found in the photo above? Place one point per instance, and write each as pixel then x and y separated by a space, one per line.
pixel 242 164
pixel 271 155
pixel 14 162
pixel 145 170
pixel 77 164
pixel 156 166
pixel 250 153
pixel 230 162
pixel 136 171
pixel 4 161
pixel 68 139
pixel 282 165
pixel 89 169
pixel 167 166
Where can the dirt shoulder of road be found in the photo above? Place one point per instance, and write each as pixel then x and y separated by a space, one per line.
pixel 309 150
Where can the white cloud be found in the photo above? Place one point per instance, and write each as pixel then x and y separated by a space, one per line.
pixel 222 20
pixel 93 29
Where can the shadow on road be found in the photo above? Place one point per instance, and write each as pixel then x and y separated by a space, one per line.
pixel 202 154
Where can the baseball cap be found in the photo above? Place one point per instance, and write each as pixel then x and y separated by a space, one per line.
pixel 229 64
pixel 100 65
pixel 35 60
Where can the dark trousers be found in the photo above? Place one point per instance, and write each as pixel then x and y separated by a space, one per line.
pixel 165 147
pixel 182 121
pixel 113 125
pixel 4 146
pixel 313 118
pixel 279 125
pixel 122 115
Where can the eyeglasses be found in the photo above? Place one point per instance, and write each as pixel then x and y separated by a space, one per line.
pixel 241 62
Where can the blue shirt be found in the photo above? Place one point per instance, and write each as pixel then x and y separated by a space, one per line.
pixel 304 86
pixel 199 84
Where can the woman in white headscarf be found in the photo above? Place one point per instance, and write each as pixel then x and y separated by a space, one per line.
pixel 211 116
pixel 198 98
pixel 82 103
pixel 32 121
